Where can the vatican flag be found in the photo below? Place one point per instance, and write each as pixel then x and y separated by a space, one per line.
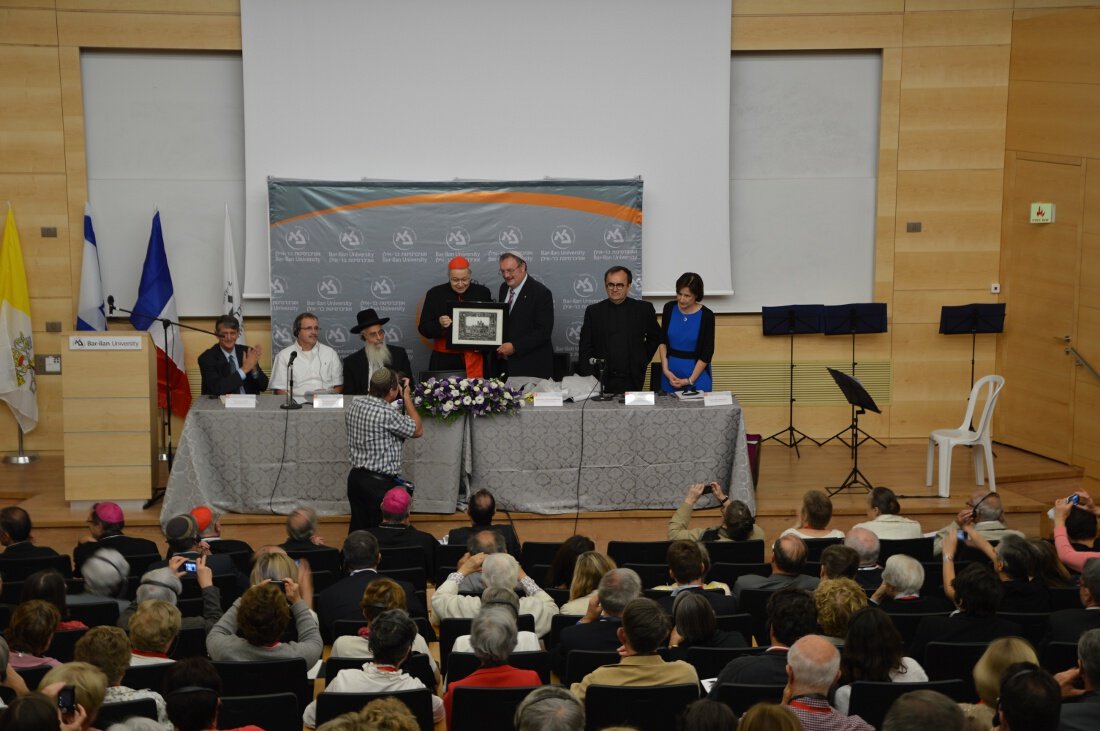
pixel 17 386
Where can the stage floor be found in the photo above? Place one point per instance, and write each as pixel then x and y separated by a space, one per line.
pixel 1028 485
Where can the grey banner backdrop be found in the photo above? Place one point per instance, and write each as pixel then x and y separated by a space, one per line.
pixel 339 247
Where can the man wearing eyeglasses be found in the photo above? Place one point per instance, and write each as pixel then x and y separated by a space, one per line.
pixel 230 368
pixel 526 350
pixel 621 331
pixel 435 319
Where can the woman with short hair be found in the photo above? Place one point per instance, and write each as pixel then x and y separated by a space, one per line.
pixel 30 632
pixel 886 520
pixel 814 517
pixel 108 648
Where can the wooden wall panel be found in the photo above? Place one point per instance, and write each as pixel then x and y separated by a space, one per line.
pixel 30 124
pixel 918 6
pixel 958 28
pixel 1057 47
pixel 958 210
pixel 27 27
pixel 816 7
pixel 181 7
pixel 792 32
pixel 914 306
pixel 1058 118
pixel 149 30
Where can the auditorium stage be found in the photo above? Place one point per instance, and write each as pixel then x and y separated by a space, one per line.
pixel 1028 485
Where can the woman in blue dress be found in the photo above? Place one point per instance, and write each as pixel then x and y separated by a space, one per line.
pixel 687 340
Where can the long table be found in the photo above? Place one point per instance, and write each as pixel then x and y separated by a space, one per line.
pixel 592 457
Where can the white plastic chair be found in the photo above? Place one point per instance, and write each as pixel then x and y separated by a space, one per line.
pixel 977 438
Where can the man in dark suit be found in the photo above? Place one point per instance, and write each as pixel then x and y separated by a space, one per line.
pixel 435 319
pixel 395 531
pixel 1084 714
pixel 228 367
pixel 106 522
pixel 210 530
pixel 621 331
pixel 598 628
pixel 304 540
pixel 866 544
pixel 686 565
pixel 526 350
pixel 482 508
pixel 182 535
pixel 341 600
pixel 1067 625
pixel 791 616
pixel 15 536
pixel 376 353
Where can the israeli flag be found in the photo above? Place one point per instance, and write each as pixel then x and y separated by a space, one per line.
pixel 91 314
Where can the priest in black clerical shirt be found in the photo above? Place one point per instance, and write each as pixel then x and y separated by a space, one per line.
pixel 620 330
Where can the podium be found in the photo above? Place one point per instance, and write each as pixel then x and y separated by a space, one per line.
pixel 109 409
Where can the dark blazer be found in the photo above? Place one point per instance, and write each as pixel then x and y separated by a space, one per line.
pixel 357 372
pixel 704 346
pixel 960 628
pixel 601 635
pixel 26 549
pixel 920 605
pixel 1067 625
pixel 439 301
pixel 126 545
pixel 459 536
pixel 228 545
pixel 1083 715
pixel 722 604
pixel 395 535
pixel 767 668
pixel 341 601
pixel 528 327
pixel 869 579
pixel 627 349
pixel 218 377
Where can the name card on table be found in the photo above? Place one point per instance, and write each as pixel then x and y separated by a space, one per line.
pixel 552 398
pixel 718 398
pixel 639 398
pixel 328 400
pixel 239 400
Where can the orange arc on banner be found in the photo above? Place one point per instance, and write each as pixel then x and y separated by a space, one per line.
pixel 600 208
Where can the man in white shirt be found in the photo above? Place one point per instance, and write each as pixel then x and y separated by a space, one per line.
pixel 317 367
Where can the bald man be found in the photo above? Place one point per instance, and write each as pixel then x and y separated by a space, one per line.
pixel 435 319
pixel 813 666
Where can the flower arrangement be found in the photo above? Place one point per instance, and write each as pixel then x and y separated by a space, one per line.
pixel 447 399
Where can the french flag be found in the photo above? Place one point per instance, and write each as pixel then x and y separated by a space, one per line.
pixel 157 300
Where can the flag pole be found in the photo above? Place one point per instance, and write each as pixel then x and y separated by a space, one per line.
pixel 21 457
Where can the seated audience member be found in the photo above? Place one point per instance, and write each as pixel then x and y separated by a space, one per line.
pixel 106 575
pixel 590 568
pixel 391 636
pixel 492 637
pixel 1074 560
pixel 153 629
pixel 49 586
pixel 343 599
pixel 88 681
pixel 695 625
pixel 395 531
pixel 1049 570
pixel 549 708
pixel 165 585
pixel 707 715
pixel 886 520
pixel 276 565
pixel 106 522
pixel 16 538
pixel 1029 699
pixel 560 573
pixel 383 714
pixel 977 597
pixel 1081 530
pixel 108 648
pixel 482 508
pixel 499 570
pixel 767 717
pixel 686 566
pixel 814 517
pixel 506 599
pixel 924 709
pixel 1015 563
pixel 598 629
pixel 788 559
pixel 866 544
pixel 262 616
pixel 1067 625
pixel 192 690
pixel 738 523
pixel 182 536
pixel 210 530
pixel 813 666
pixel 483 541
pixel 987 675
pixel 709 585
pixel 791 615
pixel 301 531
pixel 899 592
pixel 645 628
pixel 1084 713
pixel 379 596
pixel 836 601
pixel 839 562
pixel 30 632
pixel 873 650
pixel 985 511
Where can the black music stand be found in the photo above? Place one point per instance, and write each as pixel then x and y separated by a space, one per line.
pixel 861 402
pixel 971 320
pixel 791 320
pixel 858 318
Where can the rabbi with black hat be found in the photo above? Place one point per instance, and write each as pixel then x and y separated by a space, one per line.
pixel 375 354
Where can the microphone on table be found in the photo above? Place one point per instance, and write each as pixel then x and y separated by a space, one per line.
pixel 111 304
pixel 290 404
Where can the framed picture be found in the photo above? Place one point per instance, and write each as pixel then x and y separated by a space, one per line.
pixel 477 325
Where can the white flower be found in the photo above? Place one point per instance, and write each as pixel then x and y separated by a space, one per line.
pixel 479 400
pixel 448 406
pixel 466 401
pixel 464 383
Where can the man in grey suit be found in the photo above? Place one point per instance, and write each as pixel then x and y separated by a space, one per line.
pixel 1085 713
pixel 788 558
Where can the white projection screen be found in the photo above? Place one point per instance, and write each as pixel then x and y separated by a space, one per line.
pixel 498 90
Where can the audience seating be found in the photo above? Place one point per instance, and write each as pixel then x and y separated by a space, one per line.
pixel 268 676
pixel 190 642
pixel 966 552
pixel 64 643
pixel 918 548
pixel 628 552
pixel 18 570
pixel 735 551
pixel 742 696
pixel 111 713
pixel 728 573
pixel 417 576
pixel 906 624
pixel 560 596
pixel 1068 597
pixel 322 559
pixel 951 660
pixel 447 556
pixel 462 664
pixel 486 708
pixel 870 701
pixel 451 628
pixel 323 580
pixel 1034 625
pixel 646 708
pixel 96 614
pixel 537 552
pixel 540 572
pixel 416 664
pixel 755 603
pixel 814 547
pixel 707 661
pixel 557 623
pixel 933 576
pixel 140 564
pixel 651 574
pixel 271 712
pixel 419 701
pixel 5 615
pixel 579 663
pixel 242 560
pixel 33 676
pixel 191 607
pixel 740 623
pixel 811 568
pixel 1058 656
pixel 146 677
pixel 408 557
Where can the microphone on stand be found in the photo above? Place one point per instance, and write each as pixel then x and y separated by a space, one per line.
pixel 291 404
pixel 601 372
pixel 111 304
pixel 597 361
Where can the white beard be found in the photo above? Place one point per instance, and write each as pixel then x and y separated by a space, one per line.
pixel 377 355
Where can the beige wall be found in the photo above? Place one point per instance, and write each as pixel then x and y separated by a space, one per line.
pixel 943 120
